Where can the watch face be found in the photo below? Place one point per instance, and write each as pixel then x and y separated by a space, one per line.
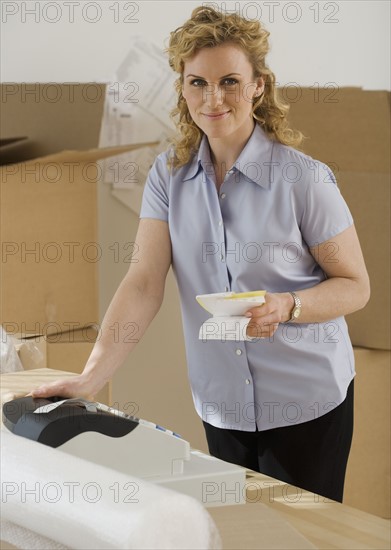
pixel 296 313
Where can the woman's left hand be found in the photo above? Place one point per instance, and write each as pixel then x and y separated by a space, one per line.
pixel 266 317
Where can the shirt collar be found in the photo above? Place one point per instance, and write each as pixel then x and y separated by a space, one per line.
pixel 253 161
pixel 201 158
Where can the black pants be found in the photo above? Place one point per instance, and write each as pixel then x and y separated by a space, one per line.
pixel 312 455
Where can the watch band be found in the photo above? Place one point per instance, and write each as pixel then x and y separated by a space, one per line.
pixel 295 313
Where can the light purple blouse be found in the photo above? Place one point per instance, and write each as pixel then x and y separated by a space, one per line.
pixel 255 234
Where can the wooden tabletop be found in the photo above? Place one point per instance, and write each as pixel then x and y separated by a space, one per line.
pixel 276 515
pixel 325 523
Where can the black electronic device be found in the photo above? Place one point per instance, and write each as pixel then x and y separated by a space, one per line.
pixel 55 420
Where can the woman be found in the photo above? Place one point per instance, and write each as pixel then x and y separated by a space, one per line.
pixel 233 205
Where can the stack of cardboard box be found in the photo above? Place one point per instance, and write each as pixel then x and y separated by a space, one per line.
pixel 348 129
pixel 50 249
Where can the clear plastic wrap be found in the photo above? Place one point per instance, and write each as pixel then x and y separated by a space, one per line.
pixel 9 359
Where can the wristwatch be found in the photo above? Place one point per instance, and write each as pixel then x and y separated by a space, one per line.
pixel 295 313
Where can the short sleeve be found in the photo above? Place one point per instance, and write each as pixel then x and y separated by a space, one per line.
pixel 325 213
pixel 155 201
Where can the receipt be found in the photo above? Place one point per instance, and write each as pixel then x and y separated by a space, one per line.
pixel 225 328
pixel 228 309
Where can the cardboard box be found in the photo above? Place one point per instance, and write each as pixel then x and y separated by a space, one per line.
pixel 368 476
pixel 50 248
pixel 54 116
pixel 70 350
pixel 31 351
pixel 348 129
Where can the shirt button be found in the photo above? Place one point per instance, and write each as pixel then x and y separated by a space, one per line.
pixel 238 352
pixel 247 381
pixel 222 196
pixel 222 257
pixel 220 223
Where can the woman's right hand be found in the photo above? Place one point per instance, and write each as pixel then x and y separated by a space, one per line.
pixel 77 386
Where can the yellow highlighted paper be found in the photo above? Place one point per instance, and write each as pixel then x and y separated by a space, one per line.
pixel 240 295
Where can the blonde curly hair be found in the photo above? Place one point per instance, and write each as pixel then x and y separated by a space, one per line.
pixel 206 28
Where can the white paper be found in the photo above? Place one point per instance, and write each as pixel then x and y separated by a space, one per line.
pixel 137 106
pixel 225 328
pixel 228 321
